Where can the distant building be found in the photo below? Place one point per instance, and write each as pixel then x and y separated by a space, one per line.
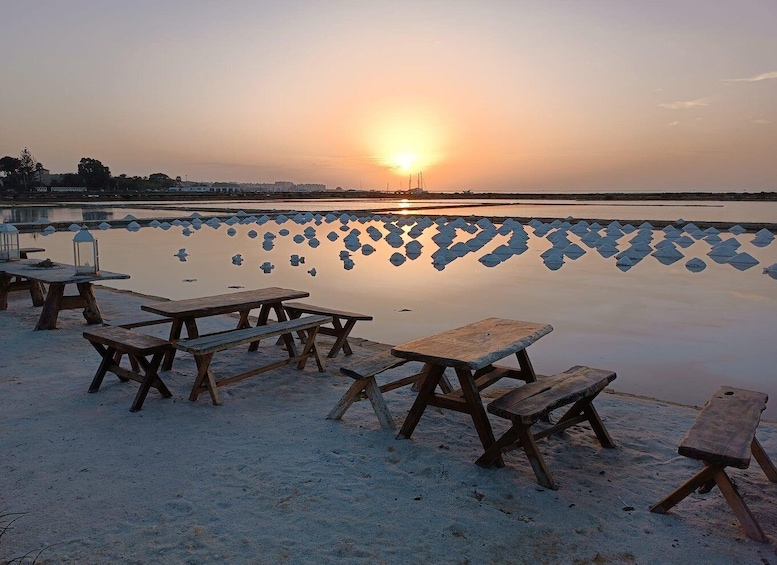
pixel 205 188
pixel 282 186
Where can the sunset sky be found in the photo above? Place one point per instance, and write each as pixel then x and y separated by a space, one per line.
pixel 577 95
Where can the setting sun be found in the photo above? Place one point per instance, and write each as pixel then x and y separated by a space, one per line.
pixel 407 141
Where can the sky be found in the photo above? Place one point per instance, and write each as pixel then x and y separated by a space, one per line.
pixel 486 95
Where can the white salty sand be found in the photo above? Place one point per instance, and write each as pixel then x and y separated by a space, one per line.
pixel 265 478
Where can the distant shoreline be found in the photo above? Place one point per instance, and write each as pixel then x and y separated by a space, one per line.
pixel 43 198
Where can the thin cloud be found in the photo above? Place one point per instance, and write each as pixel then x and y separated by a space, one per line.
pixel 682 105
pixel 757 78
pixel 759 121
pixel 673 123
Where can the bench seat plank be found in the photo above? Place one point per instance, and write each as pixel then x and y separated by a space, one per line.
pixel 530 402
pixel 311 309
pixel 232 338
pixel 126 340
pixel 373 365
pixel 724 430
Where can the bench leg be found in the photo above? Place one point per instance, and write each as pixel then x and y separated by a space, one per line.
pixel 107 354
pixel 763 460
pixel 342 333
pixel 702 477
pixel 347 400
pixel 205 379
pixel 150 379
pixel 371 389
pixel 536 460
pixel 310 347
pixel 500 446
pixel 741 511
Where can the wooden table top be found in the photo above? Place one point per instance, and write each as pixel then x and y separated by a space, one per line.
pixel 60 274
pixel 473 346
pixel 223 303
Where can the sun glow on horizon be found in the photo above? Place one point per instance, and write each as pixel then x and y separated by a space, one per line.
pixel 407 142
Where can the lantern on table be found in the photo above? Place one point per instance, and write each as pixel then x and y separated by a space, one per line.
pixel 9 243
pixel 85 256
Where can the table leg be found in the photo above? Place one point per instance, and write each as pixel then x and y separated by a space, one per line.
pixel 527 370
pixel 264 316
pixel 421 401
pixel 5 288
pixel 175 335
pixel 92 313
pixel 477 412
pixel 37 293
pixel 51 307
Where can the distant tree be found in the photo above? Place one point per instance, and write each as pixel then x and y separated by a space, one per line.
pixel 10 167
pixel 96 175
pixel 160 181
pixel 68 179
pixel 27 164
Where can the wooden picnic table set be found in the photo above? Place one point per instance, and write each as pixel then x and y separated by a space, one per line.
pixel 722 436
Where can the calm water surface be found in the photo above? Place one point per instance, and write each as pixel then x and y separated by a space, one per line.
pixel 668 332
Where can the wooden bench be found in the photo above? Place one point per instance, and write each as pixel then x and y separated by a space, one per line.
pixel 338 330
pixel 203 348
pixel 137 321
pixel 363 372
pixel 723 435
pixel 145 352
pixel 527 404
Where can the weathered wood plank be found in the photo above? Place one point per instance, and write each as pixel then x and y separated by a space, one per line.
pixel 232 338
pixel 126 340
pixel 59 274
pixel 528 403
pixel 724 430
pixel 372 365
pixel 223 303
pixel 312 309
pixel 473 346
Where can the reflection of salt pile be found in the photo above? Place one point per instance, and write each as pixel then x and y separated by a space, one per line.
pixel 771 270
pixel 413 249
pixel 133 226
pixel 763 238
pixel 696 265
pixel 666 253
pixel 237 259
pixel 743 261
pixel 736 230
pixel 266 267
pixel 104 226
pixel 182 255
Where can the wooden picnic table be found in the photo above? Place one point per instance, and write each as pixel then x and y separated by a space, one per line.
pixel 185 312
pixel 57 277
pixel 471 351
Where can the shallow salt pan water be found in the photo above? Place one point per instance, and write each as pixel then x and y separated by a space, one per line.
pixel 669 332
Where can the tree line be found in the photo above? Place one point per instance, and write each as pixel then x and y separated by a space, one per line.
pixel 24 173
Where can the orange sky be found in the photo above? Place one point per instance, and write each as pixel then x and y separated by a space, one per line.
pixel 491 95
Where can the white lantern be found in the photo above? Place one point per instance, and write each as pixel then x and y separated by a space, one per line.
pixel 9 243
pixel 85 256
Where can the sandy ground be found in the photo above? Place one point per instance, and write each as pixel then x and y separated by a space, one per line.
pixel 265 478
